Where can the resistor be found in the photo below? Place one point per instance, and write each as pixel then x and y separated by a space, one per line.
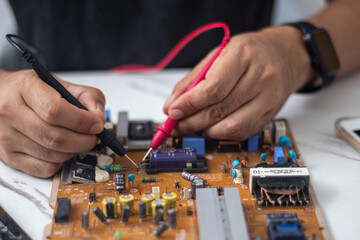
pixel 161 229
pixel 149 179
pixel 115 168
pixel 85 219
pixel 223 168
pixel 125 213
pixel 190 177
pixel 101 216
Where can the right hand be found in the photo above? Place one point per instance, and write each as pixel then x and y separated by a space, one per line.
pixel 39 130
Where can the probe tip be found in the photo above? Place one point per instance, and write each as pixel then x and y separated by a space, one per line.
pixel 147 153
pixel 137 167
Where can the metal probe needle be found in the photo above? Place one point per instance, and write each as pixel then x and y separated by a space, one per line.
pixel 148 152
pixel 137 167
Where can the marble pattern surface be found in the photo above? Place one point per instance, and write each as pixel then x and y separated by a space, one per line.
pixel 334 165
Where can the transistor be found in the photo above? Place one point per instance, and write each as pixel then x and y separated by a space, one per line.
pixel 161 229
pixel 125 214
pixel 99 214
pixel 85 219
pixel 120 182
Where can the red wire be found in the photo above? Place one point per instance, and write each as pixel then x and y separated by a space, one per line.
pixel 175 50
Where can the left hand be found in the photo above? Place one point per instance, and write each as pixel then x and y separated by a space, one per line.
pixel 245 87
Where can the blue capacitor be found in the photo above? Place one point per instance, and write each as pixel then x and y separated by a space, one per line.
pixel 292 155
pixel 131 178
pixel 253 143
pixel 284 141
pixel 108 115
pixel 233 173
pixel 107 168
pixel 263 157
pixel 235 163
pixel 197 143
pixel 172 158
pixel 279 155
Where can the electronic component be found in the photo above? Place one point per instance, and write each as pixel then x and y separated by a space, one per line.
pixel 284 141
pixel 109 207
pixel 171 215
pixel 161 229
pixel 263 157
pixel 115 168
pixel 85 219
pixel 99 214
pixel 148 198
pixel 125 213
pixel 158 216
pixel 253 143
pixel 175 160
pixel 189 211
pixel 275 184
pixel 280 130
pixel 131 178
pixel 292 155
pixel 267 135
pixel 186 192
pixel 238 177
pixel 127 200
pixel 155 205
pixel 143 210
pixel 279 156
pixel 189 176
pixel 225 146
pixel 197 143
pixel 120 182
pixel 170 200
pixel 284 226
pixel 63 210
pixel 156 192
pixel 196 184
pixel 149 179
pixel 223 168
pixel 177 185
pixel 92 197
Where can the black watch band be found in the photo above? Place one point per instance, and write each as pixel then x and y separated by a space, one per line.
pixel 322 54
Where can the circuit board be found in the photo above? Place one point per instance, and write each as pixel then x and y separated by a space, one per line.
pixel 187 216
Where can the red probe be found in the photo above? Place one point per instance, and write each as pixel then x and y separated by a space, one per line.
pixel 164 131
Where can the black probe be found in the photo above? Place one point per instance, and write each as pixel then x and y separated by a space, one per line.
pixel 106 137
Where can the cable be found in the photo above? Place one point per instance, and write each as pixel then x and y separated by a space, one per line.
pixel 176 49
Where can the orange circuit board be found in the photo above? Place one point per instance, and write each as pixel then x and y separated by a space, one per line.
pixel 283 209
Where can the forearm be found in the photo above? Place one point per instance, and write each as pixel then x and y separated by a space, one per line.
pixel 342 20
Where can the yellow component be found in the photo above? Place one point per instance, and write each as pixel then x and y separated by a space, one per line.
pixel 158 203
pixel 148 198
pixel 127 200
pixel 170 200
pixel 109 207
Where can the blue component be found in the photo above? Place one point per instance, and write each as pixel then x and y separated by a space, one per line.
pixel 284 141
pixel 235 163
pixel 287 228
pixel 263 157
pixel 253 143
pixel 279 155
pixel 197 143
pixel 108 115
pixel 233 172
pixel 292 155
pixel 131 178
pixel 107 168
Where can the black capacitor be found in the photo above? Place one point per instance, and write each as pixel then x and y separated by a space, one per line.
pixel 97 211
pixel 177 185
pixel 159 216
pixel 85 219
pixel 142 209
pixel 120 182
pixel 161 229
pixel 196 183
pixel 171 214
pixel 125 214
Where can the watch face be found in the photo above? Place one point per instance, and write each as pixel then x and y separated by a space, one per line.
pixel 326 51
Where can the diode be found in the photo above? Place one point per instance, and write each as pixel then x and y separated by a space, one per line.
pixel 161 229
pixel 125 213
pixel 171 214
pixel 159 216
pixel 177 185
pixel 101 216
pixel 223 168
pixel 85 219
pixel 142 210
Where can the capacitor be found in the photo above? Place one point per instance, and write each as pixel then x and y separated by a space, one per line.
pixel 148 198
pixel 171 214
pixel 177 185
pixel 127 200
pixel 142 210
pixel 125 213
pixel 85 219
pixel 159 216
pixel 131 178
pixel 292 155
pixel 239 176
pixel 223 168
pixel 188 176
pixel 161 229
pixel 233 173
pixel 120 182
pixel 196 183
pixel 109 207
pixel 263 157
pixel 101 216
pixel 235 163
pixel 170 200
pixel 156 205
pixel 284 141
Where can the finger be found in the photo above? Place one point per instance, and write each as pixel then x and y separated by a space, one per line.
pixel 53 109
pixel 24 144
pixel 208 116
pixel 52 137
pixel 222 76
pixel 184 83
pixel 244 122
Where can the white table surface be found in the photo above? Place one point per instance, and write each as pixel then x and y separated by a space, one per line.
pixel 334 166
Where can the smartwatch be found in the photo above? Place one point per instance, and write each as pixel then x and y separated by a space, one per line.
pixel 322 54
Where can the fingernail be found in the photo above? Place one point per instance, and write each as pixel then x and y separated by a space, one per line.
pixel 96 128
pixel 176 114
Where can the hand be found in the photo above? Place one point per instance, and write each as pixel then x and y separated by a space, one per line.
pixel 244 88
pixel 40 129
